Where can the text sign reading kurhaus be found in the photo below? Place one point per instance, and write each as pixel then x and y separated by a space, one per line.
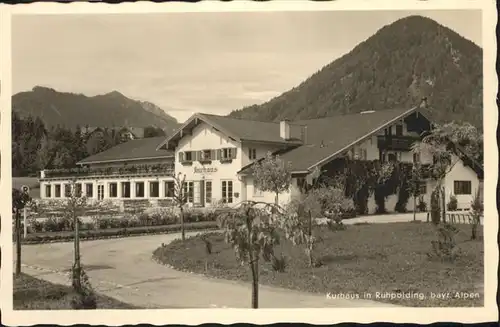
pixel 205 170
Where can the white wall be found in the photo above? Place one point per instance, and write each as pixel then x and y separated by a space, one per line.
pixel 269 197
pixel 158 161
pixel 460 172
pixel 204 137
pixel 261 151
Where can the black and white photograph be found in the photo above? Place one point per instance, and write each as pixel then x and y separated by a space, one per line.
pixel 273 159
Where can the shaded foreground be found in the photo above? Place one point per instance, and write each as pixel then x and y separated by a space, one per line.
pixel 388 259
pixel 34 294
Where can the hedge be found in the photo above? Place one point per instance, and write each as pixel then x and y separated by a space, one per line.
pixel 67 236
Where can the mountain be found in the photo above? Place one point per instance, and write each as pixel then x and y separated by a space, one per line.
pixel 107 110
pixel 412 58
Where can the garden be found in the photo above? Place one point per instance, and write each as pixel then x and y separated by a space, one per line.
pixel 365 258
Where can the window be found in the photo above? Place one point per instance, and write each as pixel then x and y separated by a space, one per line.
pixel 125 189
pixel 186 156
pixel 416 157
pixel 169 189
pixel 301 183
pixel 100 192
pixel 89 190
pixel 78 189
pixel 206 155
pixel 154 189
pixel 113 190
pixel 208 191
pixel 423 188
pixel 57 190
pixel 399 130
pixel 462 187
pixel 252 154
pixel 227 191
pixel 139 189
pixel 360 154
pixel 67 190
pixel 188 191
pixel 392 157
pixel 227 153
pixel 48 191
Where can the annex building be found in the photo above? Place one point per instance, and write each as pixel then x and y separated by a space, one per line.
pixel 216 154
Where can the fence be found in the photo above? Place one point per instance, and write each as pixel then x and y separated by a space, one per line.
pixel 459 217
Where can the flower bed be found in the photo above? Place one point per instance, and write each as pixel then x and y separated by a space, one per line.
pixel 86 235
pixel 153 217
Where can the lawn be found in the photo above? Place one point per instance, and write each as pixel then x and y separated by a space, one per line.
pixel 362 259
pixel 34 294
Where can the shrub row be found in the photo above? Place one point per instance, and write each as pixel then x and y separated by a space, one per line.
pixel 158 217
pixel 116 232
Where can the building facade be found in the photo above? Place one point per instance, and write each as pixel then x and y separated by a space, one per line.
pixel 215 155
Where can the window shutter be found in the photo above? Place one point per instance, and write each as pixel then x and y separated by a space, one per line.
pixel 212 154
pixel 199 156
pixel 181 156
pixel 233 153
pixel 219 154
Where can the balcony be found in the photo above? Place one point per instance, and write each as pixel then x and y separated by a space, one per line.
pixel 125 171
pixel 397 143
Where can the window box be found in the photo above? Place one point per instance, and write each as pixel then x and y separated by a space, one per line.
pixel 186 163
pixel 226 160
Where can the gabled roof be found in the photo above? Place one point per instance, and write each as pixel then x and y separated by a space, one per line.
pixel 329 137
pixel 238 129
pixel 131 150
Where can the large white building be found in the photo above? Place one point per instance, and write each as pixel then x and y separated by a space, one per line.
pixel 216 153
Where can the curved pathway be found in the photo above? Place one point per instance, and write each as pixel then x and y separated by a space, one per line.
pixel 124 269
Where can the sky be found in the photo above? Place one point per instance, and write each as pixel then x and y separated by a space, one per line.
pixel 196 62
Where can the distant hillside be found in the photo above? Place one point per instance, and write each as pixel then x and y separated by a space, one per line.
pixel 108 110
pixel 403 62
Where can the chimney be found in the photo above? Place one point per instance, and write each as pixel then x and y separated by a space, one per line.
pixel 285 129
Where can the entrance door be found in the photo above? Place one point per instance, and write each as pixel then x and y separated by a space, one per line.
pixel 100 192
pixel 199 188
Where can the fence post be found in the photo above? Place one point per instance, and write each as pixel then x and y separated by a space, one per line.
pixel 24 223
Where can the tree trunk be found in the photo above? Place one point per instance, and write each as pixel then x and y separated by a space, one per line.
pixel 255 281
pixel 183 232
pixel 310 243
pixel 443 203
pixel 18 242
pixel 77 272
pixel 414 208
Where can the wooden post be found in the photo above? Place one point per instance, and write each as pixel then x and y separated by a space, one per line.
pixel 24 223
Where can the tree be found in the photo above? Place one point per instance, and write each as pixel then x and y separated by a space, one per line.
pixel 19 201
pixel 441 144
pixel 74 208
pixel 414 184
pixel 180 198
pixel 272 175
pixel 152 131
pixel 477 211
pixel 252 233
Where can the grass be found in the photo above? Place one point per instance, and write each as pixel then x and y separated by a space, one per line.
pixel 35 294
pixel 362 259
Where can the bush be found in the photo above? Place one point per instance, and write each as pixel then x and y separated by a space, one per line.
pixel 113 233
pixel 279 264
pixel 422 206
pixel 453 203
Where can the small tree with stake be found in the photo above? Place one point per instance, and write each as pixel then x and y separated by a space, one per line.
pixel 477 211
pixel 19 201
pixel 414 185
pixel 75 207
pixel 272 175
pixel 251 232
pixel 180 198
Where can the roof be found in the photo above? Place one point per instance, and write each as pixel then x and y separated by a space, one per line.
pixel 328 137
pixel 131 150
pixel 237 129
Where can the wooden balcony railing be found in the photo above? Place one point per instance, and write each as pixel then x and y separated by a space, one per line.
pixel 399 143
pixel 131 170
